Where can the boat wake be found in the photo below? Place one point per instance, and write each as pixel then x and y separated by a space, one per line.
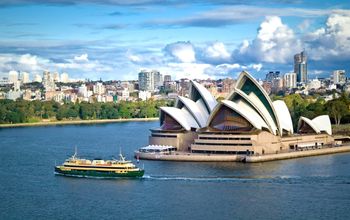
pixel 204 178
pixel 233 179
pixel 255 179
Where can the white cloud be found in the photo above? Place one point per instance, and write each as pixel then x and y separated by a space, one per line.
pixel 28 59
pixel 275 43
pixel 186 70
pixel 316 72
pixel 82 58
pixel 134 58
pixel 229 66
pixel 23 62
pixel 238 14
pixel 256 67
pixel 182 52
pixel 223 70
pixel 217 51
pixel 35 64
pixel 333 40
pixel 273 47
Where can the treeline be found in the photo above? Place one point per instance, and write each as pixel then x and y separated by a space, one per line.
pixel 22 111
pixel 311 107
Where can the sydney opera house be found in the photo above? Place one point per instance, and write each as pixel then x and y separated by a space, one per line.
pixel 246 122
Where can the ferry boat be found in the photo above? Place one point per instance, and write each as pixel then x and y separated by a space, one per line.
pixel 75 166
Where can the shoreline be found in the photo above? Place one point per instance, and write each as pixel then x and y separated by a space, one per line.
pixel 199 157
pixel 72 122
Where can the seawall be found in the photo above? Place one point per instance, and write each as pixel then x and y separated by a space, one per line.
pixel 296 154
pixel 198 157
pixel 193 157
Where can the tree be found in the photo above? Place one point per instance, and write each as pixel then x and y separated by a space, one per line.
pixel 337 109
pixel 297 107
pixel 317 108
pixel 86 111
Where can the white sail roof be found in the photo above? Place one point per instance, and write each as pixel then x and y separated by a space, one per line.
pixel 310 123
pixel 246 112
pixel 208 98
pixel 248 85
pixel 182 116
pixel 283 115
pixel 199 114
pixel 256 105
pixel 323 123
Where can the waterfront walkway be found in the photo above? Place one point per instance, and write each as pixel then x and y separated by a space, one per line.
pixel 199 157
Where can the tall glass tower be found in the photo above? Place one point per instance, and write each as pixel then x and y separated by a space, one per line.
pixel 300 66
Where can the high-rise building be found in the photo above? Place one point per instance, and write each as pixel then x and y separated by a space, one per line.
pixel 150 80
pixel 290 80
pixel 48 81
pixel 339 77
pixel 13 76
pixel 167 78
pixel 146 81
pixel 158 79
pixel 24 77
pixel 300 67
pixel 64 77
pixel 270 76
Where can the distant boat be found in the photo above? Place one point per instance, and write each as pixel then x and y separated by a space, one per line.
pixel 75 166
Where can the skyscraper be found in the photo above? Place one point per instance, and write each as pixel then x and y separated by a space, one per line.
pixel 150 80
pixel 300 67
pixel 339 76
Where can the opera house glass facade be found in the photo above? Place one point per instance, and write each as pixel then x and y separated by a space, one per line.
pixel 246 122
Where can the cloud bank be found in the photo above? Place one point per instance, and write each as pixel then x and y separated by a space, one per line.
pixel 272 48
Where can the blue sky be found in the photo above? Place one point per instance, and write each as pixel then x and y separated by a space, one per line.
pixel 114 39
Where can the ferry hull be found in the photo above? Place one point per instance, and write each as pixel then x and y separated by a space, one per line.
pixel 95 173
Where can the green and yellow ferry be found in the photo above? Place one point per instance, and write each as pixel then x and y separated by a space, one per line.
pixel 75 166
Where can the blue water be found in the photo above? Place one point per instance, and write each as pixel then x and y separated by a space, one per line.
pixel 306 188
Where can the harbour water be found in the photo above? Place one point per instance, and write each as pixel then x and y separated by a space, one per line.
pixel 305 188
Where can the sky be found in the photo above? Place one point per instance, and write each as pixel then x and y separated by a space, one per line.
pixel 115 39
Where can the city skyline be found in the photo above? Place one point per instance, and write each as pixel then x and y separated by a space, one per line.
pixel 216 39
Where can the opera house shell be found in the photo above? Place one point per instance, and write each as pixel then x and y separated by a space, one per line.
pixel 246 122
